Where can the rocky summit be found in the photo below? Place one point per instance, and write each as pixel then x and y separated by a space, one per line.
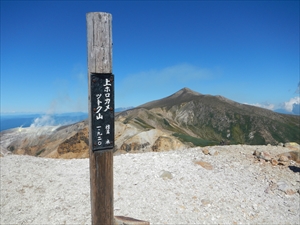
pixel 181 120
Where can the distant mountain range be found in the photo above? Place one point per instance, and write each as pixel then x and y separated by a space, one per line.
pixel 181 120
pixel 295 111
pixel 9 121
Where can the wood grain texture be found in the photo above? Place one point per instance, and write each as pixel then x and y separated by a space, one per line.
pixel 99 40
pixel 99 45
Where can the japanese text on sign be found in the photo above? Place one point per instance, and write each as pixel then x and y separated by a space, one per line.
pixel 102 103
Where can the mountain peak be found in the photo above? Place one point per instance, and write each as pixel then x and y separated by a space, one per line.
pixel 186 90
pixel 183 95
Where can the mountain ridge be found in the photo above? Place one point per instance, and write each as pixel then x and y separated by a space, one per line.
pixel 181 120
pixel 180 96
pixel 214 118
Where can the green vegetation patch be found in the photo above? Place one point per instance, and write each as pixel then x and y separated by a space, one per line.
pixel 238 134
pixel 196 141
pixel 143 124
pixel 11 148
pixel 287 132
pixel 40 152
pixel 258 139
pixel 166 122
pixel 127 120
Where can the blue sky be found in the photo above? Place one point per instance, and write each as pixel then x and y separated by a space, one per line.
pixel 247 51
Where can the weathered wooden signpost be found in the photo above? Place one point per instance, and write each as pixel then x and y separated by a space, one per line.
pixel 101 115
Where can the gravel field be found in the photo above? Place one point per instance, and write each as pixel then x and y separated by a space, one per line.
pixel 175 187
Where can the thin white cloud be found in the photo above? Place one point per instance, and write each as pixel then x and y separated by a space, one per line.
pixel 153 84
pixel 264 105
pixel 184 73
pixel 292 106
pixel 178 73
pixel 289 105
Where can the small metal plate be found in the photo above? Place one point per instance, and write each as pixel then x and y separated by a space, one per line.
pixel 102 111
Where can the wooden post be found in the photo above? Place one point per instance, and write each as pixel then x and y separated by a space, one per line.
pixel 99 45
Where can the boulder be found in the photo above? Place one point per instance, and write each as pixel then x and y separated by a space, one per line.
pixel 293 146
pixel 293 155
pixel 205 151
pixel 134 146
pixel 283 158
pixel 213 151
pixel 264 155
pixel 205 165
pixel 123 220
pixel 285 187
pixel 256 153
pixel 274 162
pixel 166 175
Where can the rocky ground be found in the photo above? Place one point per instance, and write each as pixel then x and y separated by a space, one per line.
pixel 212 185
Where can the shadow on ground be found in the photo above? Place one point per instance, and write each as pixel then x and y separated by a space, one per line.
pixel 295 169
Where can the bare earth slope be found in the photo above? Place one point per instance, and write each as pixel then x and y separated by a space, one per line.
pixel 212 185
pixel 69 141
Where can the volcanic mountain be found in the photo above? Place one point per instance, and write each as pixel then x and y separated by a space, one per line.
pixel 206 120
pixel 181 120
